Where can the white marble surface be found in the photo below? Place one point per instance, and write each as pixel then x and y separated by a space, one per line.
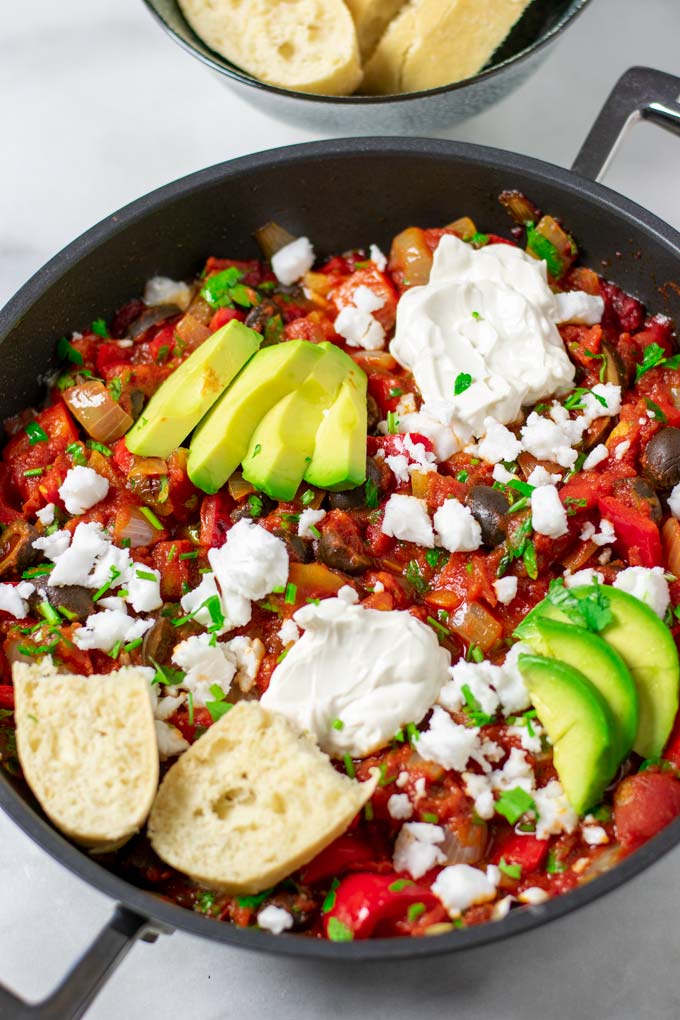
pixel 97 107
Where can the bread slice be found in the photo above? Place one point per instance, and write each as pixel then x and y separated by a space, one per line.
pixel 250 802
pixel 371 18
pixel 435 42
pixel 304 45
pixel 87 747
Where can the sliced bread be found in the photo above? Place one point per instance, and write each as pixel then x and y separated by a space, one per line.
pixel 250 802
pixel 371 18
pixel 304 45
pixel 87 747
pixel 435 42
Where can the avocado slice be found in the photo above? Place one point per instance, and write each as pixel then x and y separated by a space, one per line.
pixel 339 458
pixel 646 646
pixel 221 440
pixel 579 725
pixel 602 665
pixel 281 447
pixel 181 401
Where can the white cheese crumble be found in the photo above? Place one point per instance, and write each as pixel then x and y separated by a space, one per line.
pixel 406 518
pixel 594 835
pixel 289 632
pixel 377 257
pixel 586 576
pixel 54 545
pixel 674 501
pixel 461 886
pixel 46 514
pixel 533 896
pixel 456 528
pixel 498 443
pixel 596 456
pixel 275 919
pixel 205 665
pixel 13 598
pixel 621 449
pixel 81 489
pixel 309 519
pixel 648 584
pixel 143 586
pixel 290 263
pixel 604 536
pixel 161 290
pixel 105 630
pixel 416 850
pixel 579 307
pixel 548 516
pixel 506 589
pixel 251 563
pixel 74 564
pixel 247 653
pixel 169 739
pixel 399 806
pixel 540 476
pixel 554 812
pixel 374 670
pixel 450 744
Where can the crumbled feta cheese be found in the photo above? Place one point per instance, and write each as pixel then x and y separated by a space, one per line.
pixel 501 909
pixel 291 262
pixel 577 306
pixel 398 465
pixel 457 530
pixel 621 449
pixel 81 489
pixel 416 850
pixel 402 779
pixel 419 454
pixel 604 536
pixel 194 603
pixel 540 476
pixel 506 589
pixel 247 653
pixel 161 290
pixel 674 501
pixel 366 300
pixel 593 408
pixel 251 563
pixel 478 678
pixel 585 576
pixel 143 586
pixel 449 744
pixel 54 545
pixel 111 566
pixel 309 519
pixel 170 740
pixel 399 806
pixel 166 706
pixel 112 602
pixel 359 329
pixel 205 664
pixel 406 518
pixel 497 443
pixel 546 439
pixel 515 772
pixel 275 919
pixel 377 257
pixel 530 741
pixel 533 895
pixel 461 886
pixel 46 515
pixel 648 584
pixel 425 423
pixel 13 598
pixel 73 566
pixel 596 456
pixel 289 632
pixel 406 405
pixel 509 682
pixel 594 835
pixel 502 475
pixel 548 515
pixel 105 630
pixel 554 812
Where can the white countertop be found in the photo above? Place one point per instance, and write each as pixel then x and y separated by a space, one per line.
pixel 98 107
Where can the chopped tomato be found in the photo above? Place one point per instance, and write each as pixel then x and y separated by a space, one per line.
pixel 215 519
pixel 527 851
pixel 636 533
pixel 224 315
pixel 645 804
pixel 346 853
pixel 379 284
pixel 367 904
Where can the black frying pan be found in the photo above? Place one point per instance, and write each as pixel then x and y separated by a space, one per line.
pixel 340 193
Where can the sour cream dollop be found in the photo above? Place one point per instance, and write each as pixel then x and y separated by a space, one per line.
pixel 488 313
pixel 357 675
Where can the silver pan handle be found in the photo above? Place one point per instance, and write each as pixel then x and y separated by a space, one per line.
pixel 640 94
pixel 73 995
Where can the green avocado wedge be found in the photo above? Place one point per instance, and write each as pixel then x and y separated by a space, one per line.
pixel 221 440
pixel 180 402
pixel 602 666
pixel 281 447
pixel 579 724
pixel 646 646
pixel 339 457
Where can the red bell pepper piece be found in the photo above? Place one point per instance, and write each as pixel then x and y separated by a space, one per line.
pixel 6 696
pixel 527 851
pixel 122 457
pixel 215 519
pixel 367 904
pixel 634 530
pixel 224 315
pixel 109 353
pixel 347 853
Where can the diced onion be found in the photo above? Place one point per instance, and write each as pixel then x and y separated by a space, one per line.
pixel 271 238
pixel 132 524
pixel 476 626
pixel 520 208
pixel 464 228
pixel 238 487
pixel 95 409
pixel 670 536
pixel 578 557
pixel 411 256
pixel 371 361
pixel 191 330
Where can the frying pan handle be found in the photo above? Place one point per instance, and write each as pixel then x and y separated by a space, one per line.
pixel 640 94
pixel 74 994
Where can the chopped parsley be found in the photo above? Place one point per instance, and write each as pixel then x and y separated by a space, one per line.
pixel 33 472
pixel 76 452
pixel 473 709
pixel 349 766
pixel 574 401
pixel 463 382
pixel 255 505
pixel 392 423
pixel 512 804
pixel 330 897
pixel 511 870
pixel 462 476
pixel 337 931
pixel 338 724
pixel 399 884
pixel 602 375
pixel 67 352
pixel 308 497
pixel 588 608
pixel 414 576
pixel 656 411
pixel 655 357
pixel 291 594
pixel 217 289
pixel 554 865
pixel 219 706
pixel 414 911
pixel 436 557
pixel 99 447
pixel 100 328
pixel 147 512
pixel 36 433
pixel 371 494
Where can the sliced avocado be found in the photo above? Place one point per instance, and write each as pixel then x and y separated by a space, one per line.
pixel 579 725
pixel 180 402
pixel 602 665
pixel 646 646
pixel 339 457
pixel 221 440
pixel 281 447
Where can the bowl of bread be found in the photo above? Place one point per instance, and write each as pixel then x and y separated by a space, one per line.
pixel 369 66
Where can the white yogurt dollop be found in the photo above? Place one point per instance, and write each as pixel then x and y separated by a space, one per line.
pixel 357 675
pixel 488 313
